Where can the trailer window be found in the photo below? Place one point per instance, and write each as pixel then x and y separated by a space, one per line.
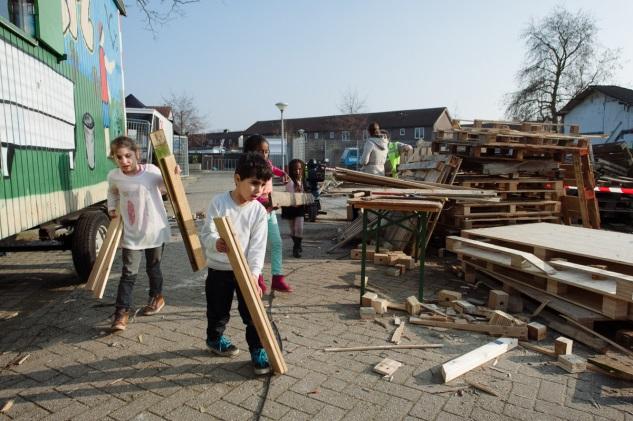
pixel 21 13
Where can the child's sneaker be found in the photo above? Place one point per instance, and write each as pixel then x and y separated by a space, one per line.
pixel 223 347
pixel 259 358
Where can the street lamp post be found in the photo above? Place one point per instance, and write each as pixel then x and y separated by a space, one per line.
pixel 282 106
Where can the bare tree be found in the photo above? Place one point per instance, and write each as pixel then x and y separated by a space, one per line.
pixel 187 117
pixel 159 12
pixel 351 102
pixel 562 59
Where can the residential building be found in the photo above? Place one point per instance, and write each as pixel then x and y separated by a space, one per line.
pixel 328 136
pixel 602 110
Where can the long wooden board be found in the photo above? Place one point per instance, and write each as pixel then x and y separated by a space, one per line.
pixel 493 330
pixel 477 357
pixel 251 298
pixel 564 240
pixel 101 270
pixel 178 198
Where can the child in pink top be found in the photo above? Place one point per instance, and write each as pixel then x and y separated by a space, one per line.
pixel 258 143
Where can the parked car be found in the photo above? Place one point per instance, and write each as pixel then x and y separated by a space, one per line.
pixel 349 158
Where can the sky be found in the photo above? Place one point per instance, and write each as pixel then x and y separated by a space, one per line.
pixel 237 58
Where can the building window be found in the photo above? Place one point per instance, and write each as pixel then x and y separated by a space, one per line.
pixel 345 136
pixel 419 133
pixel 21 13
pixel 403 132
pixel 316 135
pixel 331 135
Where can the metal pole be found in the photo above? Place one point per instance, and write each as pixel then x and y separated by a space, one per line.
pixel 283 162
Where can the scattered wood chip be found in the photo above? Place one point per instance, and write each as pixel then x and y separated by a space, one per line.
pixel 387 367
pixel 314 392
pixel 7 406
pixel 140 338
pixel 115 381
pixel 482 387
pixel 21 360
pixel 6 315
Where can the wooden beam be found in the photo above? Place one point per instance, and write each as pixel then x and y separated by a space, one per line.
pixel 476 358
pixel 178 198
pixel 101 270
pixel 381 347
pixel 253 302
pixel 597 335
pixel 511 331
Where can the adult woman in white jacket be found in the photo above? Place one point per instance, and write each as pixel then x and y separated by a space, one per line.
pixel 375 151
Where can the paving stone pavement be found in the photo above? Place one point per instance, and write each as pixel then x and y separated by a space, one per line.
pixel 159 369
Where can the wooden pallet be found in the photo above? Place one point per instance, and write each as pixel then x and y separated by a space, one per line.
pixel 178 198
pixel 515 152
pixel 477 209
pixel 576 244
pixel 246 284
pixel 492 135
pixel 470 222
pixel 609 295
pixel 502 184
pixel 585 182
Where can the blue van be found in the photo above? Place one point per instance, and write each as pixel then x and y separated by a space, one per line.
pixel 349 158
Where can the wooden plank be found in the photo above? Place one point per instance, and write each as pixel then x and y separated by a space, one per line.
pixel 397 334
pixel 453 243
pixel 387 367
pixel 383 347
pixel 178 198
pixel 280 199
pixel 563 239
pixel 101 269
pixel 396 204
pixel 597 335
pixel 246 283
pixel 512 331
pixel 476 358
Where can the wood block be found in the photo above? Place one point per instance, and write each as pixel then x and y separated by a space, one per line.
pixel 501 318
pixel 392 258
pixel 381 259
pixel 350 212
pixel 572 363
pixel 537 331
pixel 563 346
pixel 462 306
pixel 407 261
pixel 498 300
pixel 387 367
pixel 476 358
pixel 370 255
pixel 412 305
pixel 367 299
pixel 357 279
pixel 615 309
pixel 515 304
pixel 380 305
pixel 392 271
pixel 402 268
pixel 356 254
pixel 445 296
pixel 367 313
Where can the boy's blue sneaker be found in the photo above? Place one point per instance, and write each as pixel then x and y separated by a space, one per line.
pixel 223 347
pixel 259 358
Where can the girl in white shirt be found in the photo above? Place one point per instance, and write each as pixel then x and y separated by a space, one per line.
pixel 134 194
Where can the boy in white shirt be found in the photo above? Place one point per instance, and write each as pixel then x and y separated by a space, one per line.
pixel 250 221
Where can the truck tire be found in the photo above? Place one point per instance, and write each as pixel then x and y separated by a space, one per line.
pixel 89 233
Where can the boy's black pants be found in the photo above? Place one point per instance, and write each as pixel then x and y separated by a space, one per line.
pixel 219 287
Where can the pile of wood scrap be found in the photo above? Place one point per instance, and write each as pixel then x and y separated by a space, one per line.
pixel 613 159
pixel 582 274
pixel 398 261
pixel 369 187
pixel 520 161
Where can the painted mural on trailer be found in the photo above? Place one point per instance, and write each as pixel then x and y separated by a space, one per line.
pixel 58 113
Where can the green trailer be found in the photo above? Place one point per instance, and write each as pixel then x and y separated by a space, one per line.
pixel 61 101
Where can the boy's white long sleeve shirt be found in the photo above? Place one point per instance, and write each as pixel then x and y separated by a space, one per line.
pixel 137 199
pixel 251 226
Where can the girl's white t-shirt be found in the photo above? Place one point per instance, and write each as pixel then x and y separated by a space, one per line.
pixel 137 199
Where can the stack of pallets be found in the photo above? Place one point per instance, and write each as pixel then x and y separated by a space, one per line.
pixel 557 264
pixel 520 161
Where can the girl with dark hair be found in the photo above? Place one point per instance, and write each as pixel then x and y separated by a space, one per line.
pixel 258 143
pixel 295 214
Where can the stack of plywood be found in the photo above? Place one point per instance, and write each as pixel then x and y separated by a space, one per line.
pixel 521 161
pixel 590 270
